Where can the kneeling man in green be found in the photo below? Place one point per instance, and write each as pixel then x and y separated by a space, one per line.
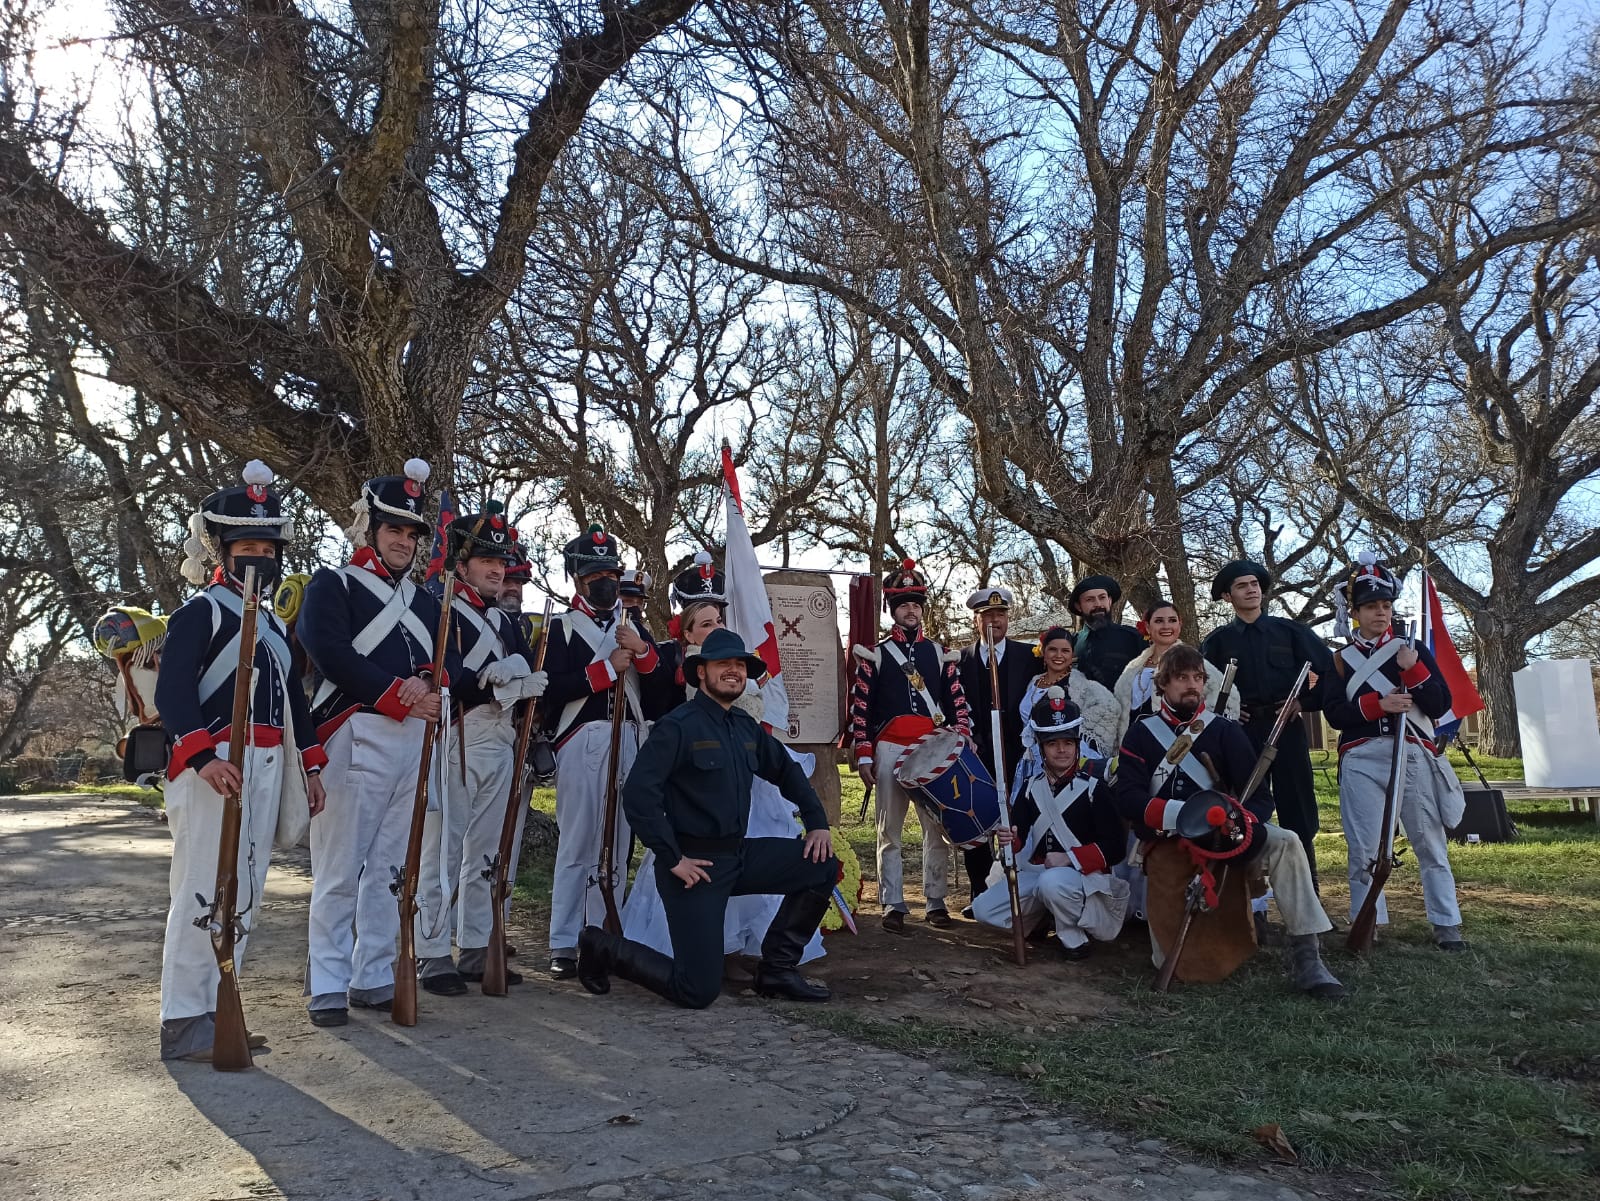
pixel 688 800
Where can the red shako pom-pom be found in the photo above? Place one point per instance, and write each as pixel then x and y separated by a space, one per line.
pixel 909 564
pixel 1216 815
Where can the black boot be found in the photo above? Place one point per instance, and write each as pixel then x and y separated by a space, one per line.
pixel 597 953
pixel 792 926
pixel 646 967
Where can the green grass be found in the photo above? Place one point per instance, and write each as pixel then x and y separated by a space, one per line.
pixel 1470 1076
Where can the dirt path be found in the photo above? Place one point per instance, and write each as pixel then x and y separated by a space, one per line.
pixel 547 1093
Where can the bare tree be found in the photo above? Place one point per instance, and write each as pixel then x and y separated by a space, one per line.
pixel 326 215
pixel 1086 216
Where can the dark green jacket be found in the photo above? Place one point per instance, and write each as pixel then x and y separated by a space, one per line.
pixel 693 775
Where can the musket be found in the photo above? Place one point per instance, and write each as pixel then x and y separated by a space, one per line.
pixel 866 799
pixel 608 857
pixel 230 1050
pixel 1364 928
pixel 1194 895
pixel 1269 750
pixel 404 886
pixel 1225 693
pixel 1008 852
pixel 498 870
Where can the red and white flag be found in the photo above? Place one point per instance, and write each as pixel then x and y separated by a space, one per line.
pixel 749 611
pixel 1464 697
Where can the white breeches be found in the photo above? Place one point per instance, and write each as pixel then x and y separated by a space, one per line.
pixel 459 841
pixel 890 802
pixel 356 843
pixel 1431 793
pixel 581 766
pixel 194 816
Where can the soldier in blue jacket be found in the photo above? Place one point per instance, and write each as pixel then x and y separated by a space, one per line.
pixel 369 631
pixel 462 836
pixel 592 646
pixel 1383 680
pixel 235 528
pixel 1156 772
pixel 688 798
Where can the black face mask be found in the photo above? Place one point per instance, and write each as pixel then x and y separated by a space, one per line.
pixel 603 594
pixel 267 571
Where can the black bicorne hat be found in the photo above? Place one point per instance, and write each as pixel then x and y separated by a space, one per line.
pixel 248 510
pixel 905 583
pixel 591 552
pixel 495 538
pixel 1054 716
pixel 703 581
pixel 1367 580
pixel 391 500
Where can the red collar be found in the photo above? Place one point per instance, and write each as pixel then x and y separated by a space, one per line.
pixel 471 595
pixel 367 559
pixel 1369 647
pixel 897 633
pixel 1172 719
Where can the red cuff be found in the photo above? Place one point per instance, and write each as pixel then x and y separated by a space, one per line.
pixel 389 703
pixel 313 756
pixel 1415 674
pixel 1089 858
pixel 1371 706
pixel 647 662
pixel 186 748
pixel 600 677
pixel 863 750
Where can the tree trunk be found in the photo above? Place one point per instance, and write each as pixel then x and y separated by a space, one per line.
pixel 1502 650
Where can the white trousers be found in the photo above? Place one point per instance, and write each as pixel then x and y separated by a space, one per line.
pixel 890 802
pixel 1065 893
pixel 356 842
pixel 1431 789
pixel 194 816
pixel 582 765
pixel 475 812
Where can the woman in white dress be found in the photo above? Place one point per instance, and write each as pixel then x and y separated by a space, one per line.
pixel 1095 702
pixel 1136 698
pixel 745 923
pixel 1136 686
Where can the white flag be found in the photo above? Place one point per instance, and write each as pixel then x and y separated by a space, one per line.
pixel 749 610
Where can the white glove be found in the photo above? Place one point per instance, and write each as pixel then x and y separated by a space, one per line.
pixel 522 688
pixel 503 671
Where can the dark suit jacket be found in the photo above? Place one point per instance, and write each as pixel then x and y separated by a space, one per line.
pixel 1017 669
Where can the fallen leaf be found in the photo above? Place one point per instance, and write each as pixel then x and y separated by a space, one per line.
pixel 963 971
pixel 1396 1124
pixel 1271 1136
pixel 1156 1054
pixel 623 1119
pixel 1315 1118
pixel 870 997
pixel 1032 1069
pixel 1575 1131
pixel 980 1002
pixel 1519 1014
pixel 1360 1115
pixel 1525 1190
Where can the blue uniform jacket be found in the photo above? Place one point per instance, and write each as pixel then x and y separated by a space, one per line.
pixel 1223 741
pixel 334 613
pixel 1360 718
pixel 201 631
